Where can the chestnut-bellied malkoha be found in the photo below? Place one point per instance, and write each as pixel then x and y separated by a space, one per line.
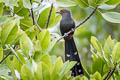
pixel 71 53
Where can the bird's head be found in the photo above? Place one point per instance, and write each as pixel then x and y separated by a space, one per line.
pixel 64 12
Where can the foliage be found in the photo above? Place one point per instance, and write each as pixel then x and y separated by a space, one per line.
pixel 28 54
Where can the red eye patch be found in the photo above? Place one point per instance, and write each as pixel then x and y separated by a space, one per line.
pixel 63 11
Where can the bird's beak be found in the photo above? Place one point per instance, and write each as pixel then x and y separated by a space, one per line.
pixel 58 12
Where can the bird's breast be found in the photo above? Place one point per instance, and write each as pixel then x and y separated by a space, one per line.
pixel 66 25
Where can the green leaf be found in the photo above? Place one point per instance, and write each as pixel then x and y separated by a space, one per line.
pixel 5 19
pixel 92 2
pixel 107 7
pixel 33 66
pixel 26 73
pixel 11 3
pixel 10 64
pixel 38 73
pixel 45 71
pixel 96 2
pixel 65 3
pixel 108 47
pixel 43 17
pixel 20 10
pixel 27 4
pixel 96 76
pixel 113 2
pixel 99 2
pixel 53 59
pixel 96 44
pixel 113 17
pixel 55 21
pixel 21 57
pixel 4 69
pixel 37 56
pixel 117 76
pixel 83 78
pixel 1 53
pixel 94 55
pixel 98 62
pixel 82 3
pixel 31 32
pixel 44 40
pixel 57 68
pixel 17 64
pixel 66 67
pixel 26 23
pixel 26 44
pixel 116 53
pixel 6 77
pixel 4 72
pixel 46 59
pixel 10 32
pixel 52 44
pixel 1 9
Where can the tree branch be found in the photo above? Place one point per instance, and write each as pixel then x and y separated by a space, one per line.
pixel 49 16
pixel 110 73
pixel 72 30
pixel 33 18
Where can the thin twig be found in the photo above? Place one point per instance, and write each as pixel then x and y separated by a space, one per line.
pixel 49 16
pixel 107 74
pixel 72 30
pixel 6 56
pixel 87 18
pixel 110 73
pixel 33 18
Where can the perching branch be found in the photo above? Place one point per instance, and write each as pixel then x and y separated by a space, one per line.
pixel 87 18
pixel 72 30
pixel 110 73
pixel 33 18
pixel 49 16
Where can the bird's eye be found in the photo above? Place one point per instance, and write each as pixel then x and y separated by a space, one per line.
pixel 63 11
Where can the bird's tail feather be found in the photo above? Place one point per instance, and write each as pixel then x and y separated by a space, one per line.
pixel 71 54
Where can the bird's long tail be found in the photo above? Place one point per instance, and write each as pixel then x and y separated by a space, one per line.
pixel 71 54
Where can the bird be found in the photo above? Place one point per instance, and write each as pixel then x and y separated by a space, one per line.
pixel 71 54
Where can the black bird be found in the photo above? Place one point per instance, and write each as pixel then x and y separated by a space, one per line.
pixel 71 53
